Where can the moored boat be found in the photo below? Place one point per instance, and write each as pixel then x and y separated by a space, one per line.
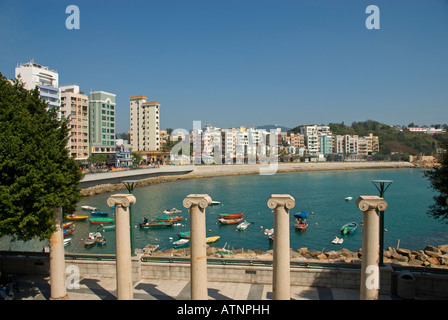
pixel 300 224
pixel 181 243
pixel 99 213
pixel 243 225
pixel 212 239
pixel 101 220
pixel 184 234
pixel 155 224
pixel 68 231
pixel 67 225
pixel 75 217
pixel 91 239
pixel 215 203
pixel 168 218
pixel 348 198
pixel 171 211
pixel 300 220
pixel 88 208
pixel 67 241
pixel 230 215
pixel 349 228
pixel 230 221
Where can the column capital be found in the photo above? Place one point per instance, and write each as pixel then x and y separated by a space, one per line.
pixel 282 200
pixel 200 200
pixel 123 200
pixel 366 203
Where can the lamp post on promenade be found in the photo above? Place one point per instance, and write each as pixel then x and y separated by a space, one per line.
pixel 382 186
pixel 130 186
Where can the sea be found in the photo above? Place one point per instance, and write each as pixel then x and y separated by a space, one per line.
pixel 321 193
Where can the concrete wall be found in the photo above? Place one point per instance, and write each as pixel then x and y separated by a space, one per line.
pixel 434 285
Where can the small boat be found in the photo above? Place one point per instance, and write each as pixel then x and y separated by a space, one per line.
pixel 99 213
pixel 230 221
pixel 156 224
pixel 348 198
pixel 75 217
pixel 171 211
pixel 215 203
pixel 300 224
pixel 230 215
pixel 185 234
pixel 109 228
pixel 91 239
pixel 224 250
pixel 101 241
pixel 349 228
pixel 68 231
pixel 88 208
pixel 67 241
pixel 101 220
pixel 212 239
pixel 181 243
pixel 243 225
pixel 168 218
pixel 67 225
pixel 300 221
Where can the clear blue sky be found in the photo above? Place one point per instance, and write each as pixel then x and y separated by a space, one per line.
pixel 244 62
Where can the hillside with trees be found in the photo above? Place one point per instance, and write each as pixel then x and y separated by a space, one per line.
pixel 392 139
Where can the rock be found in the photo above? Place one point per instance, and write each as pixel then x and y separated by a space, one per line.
pixel 421 256
pixel 404 252
pixel 322 256
pixel 443 248
pixel 332 255
pixel 432 249
pixel 433 254
pixel 433 261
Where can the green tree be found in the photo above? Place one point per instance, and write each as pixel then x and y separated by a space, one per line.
pixel 438 177
pixel 37 173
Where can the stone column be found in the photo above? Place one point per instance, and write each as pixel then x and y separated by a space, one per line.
pixel 198 253
pixel 123 244
pixel 370 277
pixel 281 203
pixel 57 260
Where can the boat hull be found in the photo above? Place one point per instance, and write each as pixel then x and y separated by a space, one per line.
pixel 230 221
pixel 101 220
pixel 230 215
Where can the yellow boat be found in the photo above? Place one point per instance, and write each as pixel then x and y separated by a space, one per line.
pixel 75 217
pixel 211 239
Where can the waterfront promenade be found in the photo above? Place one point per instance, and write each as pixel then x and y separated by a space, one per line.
pixel 35 287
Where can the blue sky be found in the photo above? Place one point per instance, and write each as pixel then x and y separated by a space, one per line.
pixel 244 62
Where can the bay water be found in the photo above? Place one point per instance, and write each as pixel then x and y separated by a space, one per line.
pixel 321 193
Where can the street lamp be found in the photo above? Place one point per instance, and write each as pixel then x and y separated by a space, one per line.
pixel 130 186
pixel 382 186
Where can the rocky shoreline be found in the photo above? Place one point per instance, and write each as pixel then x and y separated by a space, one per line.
pixel 209 171
pixel 430 256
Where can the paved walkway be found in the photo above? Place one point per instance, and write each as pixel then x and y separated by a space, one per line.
pixel 38 288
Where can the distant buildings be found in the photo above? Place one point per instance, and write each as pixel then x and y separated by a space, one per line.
pixel 102 108
pixel 75 107
pixel 145 129
pixel 46 79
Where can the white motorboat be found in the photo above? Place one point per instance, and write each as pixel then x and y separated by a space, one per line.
pixel 89 208
pixel 337 240
pixel 243 225
pixel 348 198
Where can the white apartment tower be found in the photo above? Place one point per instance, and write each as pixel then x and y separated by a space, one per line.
pixel 145 124
pixel 46 79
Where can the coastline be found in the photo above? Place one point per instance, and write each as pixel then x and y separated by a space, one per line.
pixel 209 171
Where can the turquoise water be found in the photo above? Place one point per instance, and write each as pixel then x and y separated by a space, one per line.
pixel 319 192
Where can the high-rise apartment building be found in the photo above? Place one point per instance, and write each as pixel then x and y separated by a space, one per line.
pixel 75 107
pixel 102 110
pixel 46 79
pixel 144 124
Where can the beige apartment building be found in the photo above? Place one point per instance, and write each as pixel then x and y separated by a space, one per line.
pixel 75 107
pixel 145 120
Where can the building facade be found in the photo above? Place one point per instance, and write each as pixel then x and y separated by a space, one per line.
pixel 75 107
pixel 102 133
pixel 47 80
pixel 144 124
